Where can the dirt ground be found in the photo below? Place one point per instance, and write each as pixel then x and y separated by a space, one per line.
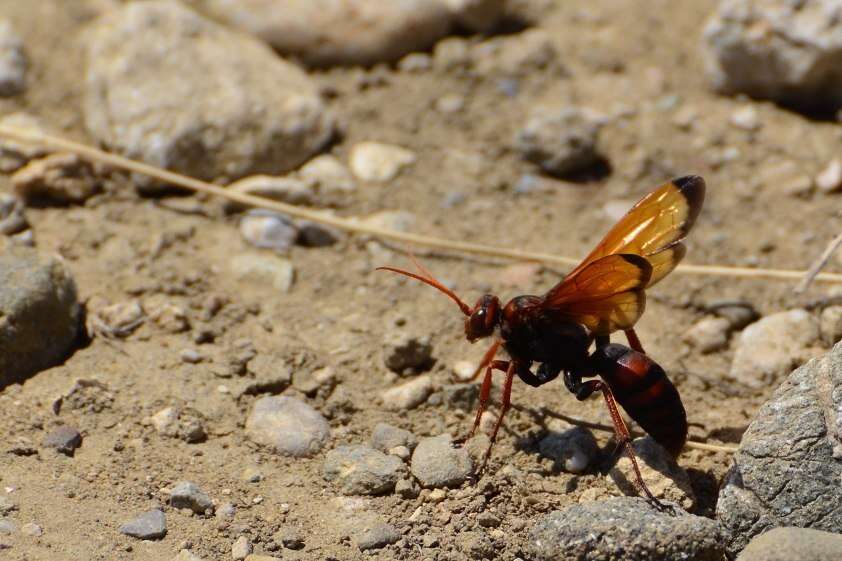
pixel 640 68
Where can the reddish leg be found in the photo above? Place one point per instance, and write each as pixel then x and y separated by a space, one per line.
pixel 505 403
pixel 485 392
pixel 621 431
pixel 634 341
pixel 486 359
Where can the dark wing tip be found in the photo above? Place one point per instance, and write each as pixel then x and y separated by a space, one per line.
pixel 641 263
pixel 692 187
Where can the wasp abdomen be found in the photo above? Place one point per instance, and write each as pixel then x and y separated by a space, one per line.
pixel 642 388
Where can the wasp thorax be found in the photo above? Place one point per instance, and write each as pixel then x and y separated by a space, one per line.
pixel 484 318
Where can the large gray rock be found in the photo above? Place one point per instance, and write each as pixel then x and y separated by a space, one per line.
pixel 623 529
pixel 171 88
pixel 788 469
pixel 288 425
pixel 360 470
pixel 786 51
pixel 39 312
pixel 769 349
pixel 327 32
pixel 793 544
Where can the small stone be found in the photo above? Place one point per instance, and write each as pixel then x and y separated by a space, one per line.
pixel 409 394
pixel 252 474
pixel 459 396
pixel 793 544
pixel 830 178
pixel 708 334
pixel 187 494
pixel 241 548
pixel 407 488
pixel 627 528
pixel 39 312
pixel 118 320
pixel 376 536
pixel 451 54
pixel 13 63
pixel 7 505
pixel 561 141
pixel 32 529
pixel 377 162
pixel 186 555
pixel 268 230
pixel 284 189
pixel 437 495
pixel 226 511
pixel 746 118
pixel 464 370
pixel 450 103
pixel 479 16
pixel 401 452
pixel 831 325
pixel 573 449
pixel 359 470
pixel 12 217
pixel 331 180
pixel 14 155
pixel 799 186
pixel 151 525
pixel 64 439
pixel 7 527
pixel 290 537
pixel 738 314
pixel 488 520
pixel 170 318
pixel 661 474
pixel 415 63
pixel 165 421
pixel 436 463
pixel 313 234
pixel 385 437
pixel 308 382
pixel 61 178
pixel 395 220
pixel 275 271
pixel 770 348
pixel 403 351
pixel 289 426
pixel 191 356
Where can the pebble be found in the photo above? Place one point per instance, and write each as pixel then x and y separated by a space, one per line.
pixel 241 548
pixel 661 473
pixel 174 89
pixel 61 178
pixel 309 381
pixel 290 537
pixel 117 320
pixel 7 527
pixel 191 356
pixel 519 55
pixel 40 310
pixel 226 511
pixel 798 186
pixel 746 118
pixel 360 470
pixel 384 437
pixel 436 463
pixel 407 488
pixel 169 318
pixel 623 528
pixel 376 535
pixel 476 545
pixel 451 54
pixel 351 32
pixel 287 425
pixel 404 351
pixel 463 370
pixel 64 439
pixel 479 16
pixel 488 520
pixel 313 234
pixel 562 141
pixel 186 555
pixel 787 469
pixel 275 271
pixel 175 423
pixel 151 525
pixel 32 529
pixel 13 62
pixel 829 180
pixel 775 49
pixel 186 494
pixel 770 348
pixel 409 394
pixel 830 325
pixel 709 334
pixel 395 220
pixel 415 63
pixel 572 449
pixel 268 230
pixel 793 544
pixel 450 103
pixel 739 314
pixel 14 155
pixel 7 505
pixel 378 162
pixel 283 189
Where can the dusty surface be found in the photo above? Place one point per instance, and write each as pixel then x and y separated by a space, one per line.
pixel 640 70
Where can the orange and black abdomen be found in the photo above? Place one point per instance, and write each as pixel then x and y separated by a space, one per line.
pixel 642 388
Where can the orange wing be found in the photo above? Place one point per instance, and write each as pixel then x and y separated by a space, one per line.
pixel 654 227
pixel 604 296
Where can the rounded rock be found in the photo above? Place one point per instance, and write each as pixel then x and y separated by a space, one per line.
pixel 289 426
pixel 708 334
pixel 64 440
pixel 409 394
pixel 39 310
pixel 378 162
pixel 187 494
pixel 151 525
pixel 360 470
pixel 268 230
pixel 436 463
pixel 384 437
pixel 561 141
pixel 573 449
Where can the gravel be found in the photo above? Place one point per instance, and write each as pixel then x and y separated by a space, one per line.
pixel 562 141
pixel 360 470
pixel 64 440
pixel 287 425
pixel 40 311
pixel 174 89
pixel 623 529
pixel 436 463
pixel 186 494
pixel 151 525
pixel 786 471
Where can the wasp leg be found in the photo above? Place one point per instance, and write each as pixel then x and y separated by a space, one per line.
pixel 486 359
pixel 505 403
pixel 484 396
pixel 634 341
pixel 621 432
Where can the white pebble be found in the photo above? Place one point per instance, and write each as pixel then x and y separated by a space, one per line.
pixel 374 161
pixel 830 178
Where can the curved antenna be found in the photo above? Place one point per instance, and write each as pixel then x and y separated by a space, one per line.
pixel 429 279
